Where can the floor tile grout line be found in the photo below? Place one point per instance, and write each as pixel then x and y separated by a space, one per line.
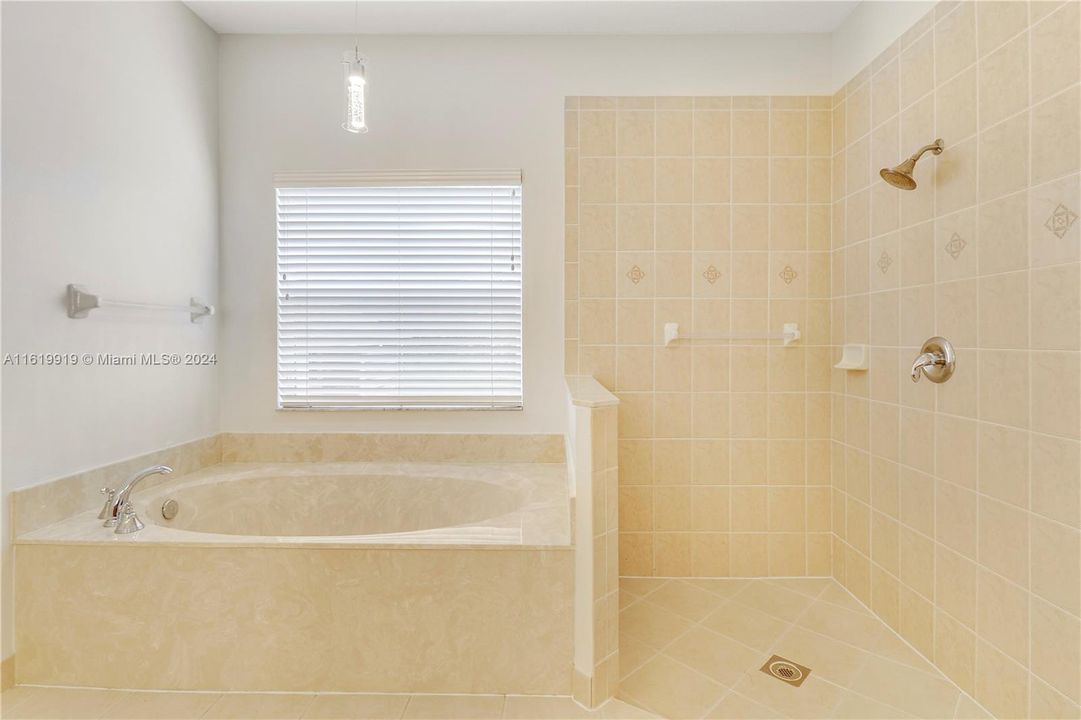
pixel 865 650
pixel 869 655
pixel 733 599
pixel 642 706
pixel 773 646
pixel 843 690
pixel 935 673
pixel 694 624
pixel 877 700
pixel 730 599
pixel 795 624
pixel 109 708
pixel 725 602
pixel 720 700
pixel 914 649
pixel 697 672
pixel 210 706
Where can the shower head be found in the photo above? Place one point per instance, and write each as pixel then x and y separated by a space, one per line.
pixel 901 175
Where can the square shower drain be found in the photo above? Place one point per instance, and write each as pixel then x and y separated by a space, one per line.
pixel 784 669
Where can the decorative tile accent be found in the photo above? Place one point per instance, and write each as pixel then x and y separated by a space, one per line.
pixel 956 246
pixel 984 203
pixel 690 246
pixel 884 262
pixel 1060 221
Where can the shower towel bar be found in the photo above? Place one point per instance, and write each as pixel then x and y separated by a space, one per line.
pixel 790 334
pixel 80 302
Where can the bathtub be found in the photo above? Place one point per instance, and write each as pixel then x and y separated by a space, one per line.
pixel 352 577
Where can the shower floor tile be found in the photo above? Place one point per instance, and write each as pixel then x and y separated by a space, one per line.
pixel 693 649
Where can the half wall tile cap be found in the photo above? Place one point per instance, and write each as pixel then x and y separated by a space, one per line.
pixel 585 391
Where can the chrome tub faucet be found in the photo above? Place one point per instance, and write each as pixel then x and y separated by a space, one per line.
pixel 118 511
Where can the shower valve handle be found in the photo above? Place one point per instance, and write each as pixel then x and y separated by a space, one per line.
pixel 936 360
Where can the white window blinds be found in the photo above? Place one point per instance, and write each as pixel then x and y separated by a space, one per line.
pixel 399 290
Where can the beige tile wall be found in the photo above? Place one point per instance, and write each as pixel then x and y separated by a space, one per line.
pixel 712 212
pixel 957 507
pixel 605 487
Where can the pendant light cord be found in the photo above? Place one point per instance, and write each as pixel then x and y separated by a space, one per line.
pixel 356 29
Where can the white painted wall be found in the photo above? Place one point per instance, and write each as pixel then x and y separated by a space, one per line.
pixel 446 103
pixel 871 28
pixel 110 169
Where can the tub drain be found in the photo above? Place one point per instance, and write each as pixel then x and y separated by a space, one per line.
pixel 783 669
pixel 169 509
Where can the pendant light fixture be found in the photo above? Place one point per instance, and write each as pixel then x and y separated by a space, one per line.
pixel 356 84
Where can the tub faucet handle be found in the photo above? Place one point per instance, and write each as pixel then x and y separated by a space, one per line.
pixel 128 522
pixel 110 498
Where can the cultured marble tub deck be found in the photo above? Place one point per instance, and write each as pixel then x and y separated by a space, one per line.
pixel 530 507
pixel 469 593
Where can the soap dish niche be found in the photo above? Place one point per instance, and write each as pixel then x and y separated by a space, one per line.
pixel 854 357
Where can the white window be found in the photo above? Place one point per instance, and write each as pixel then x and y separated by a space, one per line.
pixel 399 290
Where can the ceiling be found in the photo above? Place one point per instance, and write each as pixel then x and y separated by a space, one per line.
pixel 523 17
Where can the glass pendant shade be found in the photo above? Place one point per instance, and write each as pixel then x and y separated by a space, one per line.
pixel 356 88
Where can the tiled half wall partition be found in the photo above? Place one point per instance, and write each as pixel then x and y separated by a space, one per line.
pixel 713 212
pixel 956 507
pixel 592 453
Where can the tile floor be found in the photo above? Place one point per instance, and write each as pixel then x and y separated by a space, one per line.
pixel 688 649
pixel 693 649
pixel 64 704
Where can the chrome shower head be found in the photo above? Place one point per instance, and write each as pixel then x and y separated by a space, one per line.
pixel 901 175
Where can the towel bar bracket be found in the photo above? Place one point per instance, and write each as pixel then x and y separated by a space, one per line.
pixel 80 302
pixel 789 334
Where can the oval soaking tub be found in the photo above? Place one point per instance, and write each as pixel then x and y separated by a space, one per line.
pixel 355 577
pixel 348 503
